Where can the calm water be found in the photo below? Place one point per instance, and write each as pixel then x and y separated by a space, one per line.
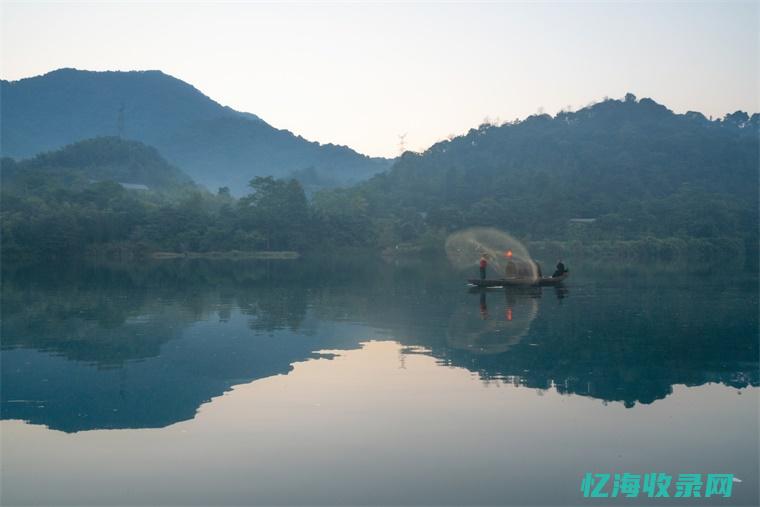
pixel 364 382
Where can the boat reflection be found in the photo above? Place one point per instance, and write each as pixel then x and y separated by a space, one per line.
pixel 501 328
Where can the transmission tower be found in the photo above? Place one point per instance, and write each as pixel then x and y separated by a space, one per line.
pixel 402 143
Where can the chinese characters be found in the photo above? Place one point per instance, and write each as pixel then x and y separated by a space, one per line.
pixel 656 485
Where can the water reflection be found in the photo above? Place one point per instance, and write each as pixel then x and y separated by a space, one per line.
pixel 360 430
pixel 144 346
pixel 494 332
pixel 629 345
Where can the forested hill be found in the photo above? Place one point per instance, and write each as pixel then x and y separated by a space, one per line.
pixel 215 145
pixel 105 159
pixel 633 165
pixel 620 179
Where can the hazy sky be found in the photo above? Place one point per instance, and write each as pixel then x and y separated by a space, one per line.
pixel 361 74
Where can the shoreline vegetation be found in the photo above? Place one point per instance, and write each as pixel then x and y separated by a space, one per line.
pixel 668 250
pixel 663 250
pixel 675 251
pixel 229 255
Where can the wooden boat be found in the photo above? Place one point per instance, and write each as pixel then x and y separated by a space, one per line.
pixel 518 282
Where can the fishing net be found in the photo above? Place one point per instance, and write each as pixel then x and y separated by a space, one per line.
pixel 506 256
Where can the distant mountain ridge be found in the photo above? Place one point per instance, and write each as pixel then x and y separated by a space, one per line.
pixel 214 144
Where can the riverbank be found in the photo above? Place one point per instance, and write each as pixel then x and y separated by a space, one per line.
pixel 230 255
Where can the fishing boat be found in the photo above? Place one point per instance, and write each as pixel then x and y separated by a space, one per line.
pixel 518 282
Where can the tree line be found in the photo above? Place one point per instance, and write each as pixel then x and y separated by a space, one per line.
pixel 616 173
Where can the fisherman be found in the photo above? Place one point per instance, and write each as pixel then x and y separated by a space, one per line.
pixel 561 270
pixel 483 266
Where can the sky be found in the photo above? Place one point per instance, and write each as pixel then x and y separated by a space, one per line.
pixel 364 74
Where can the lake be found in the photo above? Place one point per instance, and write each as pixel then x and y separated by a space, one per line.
pixel 362 381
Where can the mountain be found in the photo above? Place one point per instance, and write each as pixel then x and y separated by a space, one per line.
pixel 621 179
pixel 217 146
pixel 632 168
pixel 130 163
